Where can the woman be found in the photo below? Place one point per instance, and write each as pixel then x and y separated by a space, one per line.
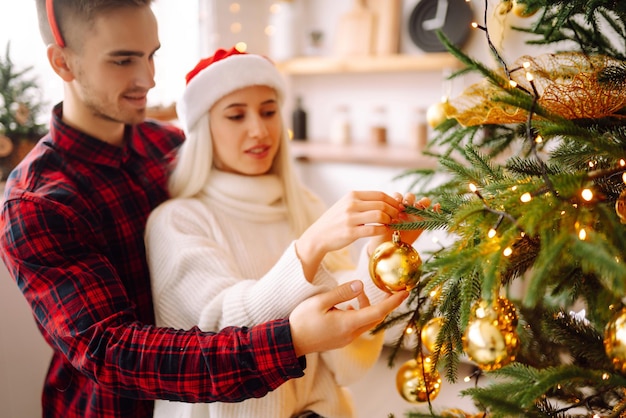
pixel 242 241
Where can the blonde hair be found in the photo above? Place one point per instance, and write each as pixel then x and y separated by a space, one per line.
pixel 194 164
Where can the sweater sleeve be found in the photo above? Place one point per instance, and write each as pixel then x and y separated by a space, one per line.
pixel 196 279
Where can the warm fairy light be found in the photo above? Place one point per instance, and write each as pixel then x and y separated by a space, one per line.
pixel 562 212
pixel 526 65
pixel 622 163
pixel 587 194
pixel 558 386
pixel 241 46
pixel 514 188
pixel 491 233
pixel 522 234
pixel 235 27
pixel 235 7
pixel 592 164
pixel 526 197
pixel 513 83
pixel 274 8
pixel 472 187
pixel 474 25
pixel 507 251
pixel 538 139
pixel 433 293
pixel 624 177
pixel 529 76
pixel 467 379
pixel 409 330
pixel 582 234
pixel 605 376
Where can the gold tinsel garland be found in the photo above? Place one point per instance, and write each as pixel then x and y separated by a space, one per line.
pixel 567 85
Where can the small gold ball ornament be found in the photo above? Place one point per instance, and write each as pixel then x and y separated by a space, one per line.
pixel 418 380
pixel 620 206
pixel 395 265
pixel 490 339
pixel 436 114
pixel 522 10
pixel 615 340
pixel 429 333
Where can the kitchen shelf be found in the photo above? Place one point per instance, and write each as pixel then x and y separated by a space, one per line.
pixel 369 64
pixel 381 155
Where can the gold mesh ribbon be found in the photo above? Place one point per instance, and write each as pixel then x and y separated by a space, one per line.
pixel 567 85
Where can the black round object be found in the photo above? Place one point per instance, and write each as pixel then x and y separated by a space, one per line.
pixel 456 25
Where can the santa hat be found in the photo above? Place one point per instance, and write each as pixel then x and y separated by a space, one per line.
pixel 215 77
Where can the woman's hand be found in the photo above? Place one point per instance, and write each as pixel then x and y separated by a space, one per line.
pixel 357 215
pixel 409 236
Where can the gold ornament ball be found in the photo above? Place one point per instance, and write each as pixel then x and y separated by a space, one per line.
pixel 615 340
pixel 521 10
pixel 418 380
pixel 505 310
pixel 395 265
pixel 429 333
pixel 436 114
pixel 490 340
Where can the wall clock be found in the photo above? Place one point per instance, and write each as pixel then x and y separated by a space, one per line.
pixel 452 17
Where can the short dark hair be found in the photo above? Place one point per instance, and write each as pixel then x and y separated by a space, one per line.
pixel 69 12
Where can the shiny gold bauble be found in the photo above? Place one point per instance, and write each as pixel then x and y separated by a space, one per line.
pixel 620 206
pixel 395 265
pixel 436 114
pixel 490 340
pixel 615 340
pixel 505 310
pixel 418 380
pixel 521 10
pixel 429 333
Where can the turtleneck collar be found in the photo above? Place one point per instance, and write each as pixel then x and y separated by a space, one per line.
pixel 252 197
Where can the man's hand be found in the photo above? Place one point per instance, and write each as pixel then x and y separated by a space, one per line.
pixel 316 325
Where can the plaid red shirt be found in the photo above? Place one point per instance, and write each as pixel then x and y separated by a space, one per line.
pixel 71 234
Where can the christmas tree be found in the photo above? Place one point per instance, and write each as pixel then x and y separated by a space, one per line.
pixel 531 289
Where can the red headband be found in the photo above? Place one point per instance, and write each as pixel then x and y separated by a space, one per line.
pixel 52 21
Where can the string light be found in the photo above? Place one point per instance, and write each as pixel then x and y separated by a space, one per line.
pixel 582 234
pixel 241 46
pixel 235 27
pixel 622 162
pixel 409 330
pixel 513 83
pixel 587 195
pixel 492 233
pixel 507 251
pixel 526 197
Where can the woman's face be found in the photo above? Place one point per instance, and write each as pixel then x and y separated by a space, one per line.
pixel 246 126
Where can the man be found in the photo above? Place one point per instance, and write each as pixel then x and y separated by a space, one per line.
pixel 71 233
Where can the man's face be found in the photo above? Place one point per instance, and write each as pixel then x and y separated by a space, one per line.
pixel 114 67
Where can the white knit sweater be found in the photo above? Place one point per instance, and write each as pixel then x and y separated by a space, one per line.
pixel 228 258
